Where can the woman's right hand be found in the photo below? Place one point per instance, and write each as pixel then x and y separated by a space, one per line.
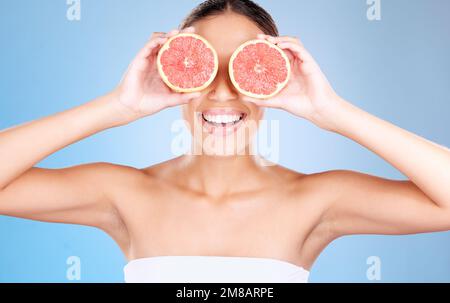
pixel 142 92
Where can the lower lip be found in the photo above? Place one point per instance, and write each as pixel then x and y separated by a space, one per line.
pixel 218 130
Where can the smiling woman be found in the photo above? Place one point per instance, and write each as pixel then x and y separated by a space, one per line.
pixel 226 216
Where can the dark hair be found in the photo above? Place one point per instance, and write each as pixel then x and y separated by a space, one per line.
pixel 245 8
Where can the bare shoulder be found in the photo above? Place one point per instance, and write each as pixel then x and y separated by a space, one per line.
pixel 164 169
pixel 123 183
pixel 320 190
pixel 338 182
pixel 334 179
pixel 114 180
pixel 324 190
pixel 109 173
pixel 325 182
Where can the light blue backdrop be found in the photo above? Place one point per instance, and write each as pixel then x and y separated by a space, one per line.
pixel 397 68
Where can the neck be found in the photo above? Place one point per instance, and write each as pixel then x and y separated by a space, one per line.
pixel 219 176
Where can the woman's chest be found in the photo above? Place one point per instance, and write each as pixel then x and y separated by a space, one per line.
pixel 260 224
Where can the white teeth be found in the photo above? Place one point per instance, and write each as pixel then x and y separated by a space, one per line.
pixel 219 119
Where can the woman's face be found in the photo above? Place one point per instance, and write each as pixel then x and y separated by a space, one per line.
pixel 226 32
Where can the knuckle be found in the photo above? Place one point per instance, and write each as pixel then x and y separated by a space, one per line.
pixel 157 34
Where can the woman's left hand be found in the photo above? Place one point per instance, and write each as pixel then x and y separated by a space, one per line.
pixel 308 94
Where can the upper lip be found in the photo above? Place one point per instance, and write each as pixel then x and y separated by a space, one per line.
pixel 224 111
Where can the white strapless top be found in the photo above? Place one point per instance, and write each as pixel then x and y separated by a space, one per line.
pixel 206 269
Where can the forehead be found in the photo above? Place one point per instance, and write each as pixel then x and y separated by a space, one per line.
pixel 227 31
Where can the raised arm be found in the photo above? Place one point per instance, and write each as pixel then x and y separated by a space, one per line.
pixel 368 204
pixel 361 203
pixel 78 194
pixel 35 193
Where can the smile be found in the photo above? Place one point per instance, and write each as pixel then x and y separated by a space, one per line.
pixel 222 121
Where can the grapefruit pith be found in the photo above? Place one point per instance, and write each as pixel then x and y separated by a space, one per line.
pixel 187 63
pixel 259 69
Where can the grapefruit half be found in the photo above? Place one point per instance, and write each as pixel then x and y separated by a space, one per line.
pixel 259 69
pixel 187 63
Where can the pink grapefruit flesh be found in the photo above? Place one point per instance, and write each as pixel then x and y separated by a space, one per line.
pixel 259 69
pixel 187 63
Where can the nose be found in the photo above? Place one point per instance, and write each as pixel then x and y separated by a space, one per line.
pixel 222 89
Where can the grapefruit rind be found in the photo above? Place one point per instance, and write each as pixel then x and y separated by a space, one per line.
pixel 280 86
pixel 175 88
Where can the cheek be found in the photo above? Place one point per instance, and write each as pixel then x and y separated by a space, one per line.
pixel 188 110
pixel 262 112
pixel 185 112
pixel 257 113
pixel 189 115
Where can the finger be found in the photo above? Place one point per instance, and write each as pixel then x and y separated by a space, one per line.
pixel 154 49
pixel 149 47
pixel 172 33
pixel 297 50
pixel 140 63
pixel 308 65
pixel 190 96
pixel 157 35
pixel 270 103
pixel 189 29
pixel 281 39
pixel 278 40
pixel 181 98
pixel 264 36
pixel 292 57
pixel 274 40
pixel 154 44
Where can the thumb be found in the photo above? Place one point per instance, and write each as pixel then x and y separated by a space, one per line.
pixel 261 102
pixel 190 96
pixel 183 98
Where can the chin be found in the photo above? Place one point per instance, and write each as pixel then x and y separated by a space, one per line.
pixel 221 147
pixel 223 135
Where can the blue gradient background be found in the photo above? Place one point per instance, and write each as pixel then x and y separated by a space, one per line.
pixel 397 68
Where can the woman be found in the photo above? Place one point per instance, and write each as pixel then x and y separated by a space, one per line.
pixel 226 217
